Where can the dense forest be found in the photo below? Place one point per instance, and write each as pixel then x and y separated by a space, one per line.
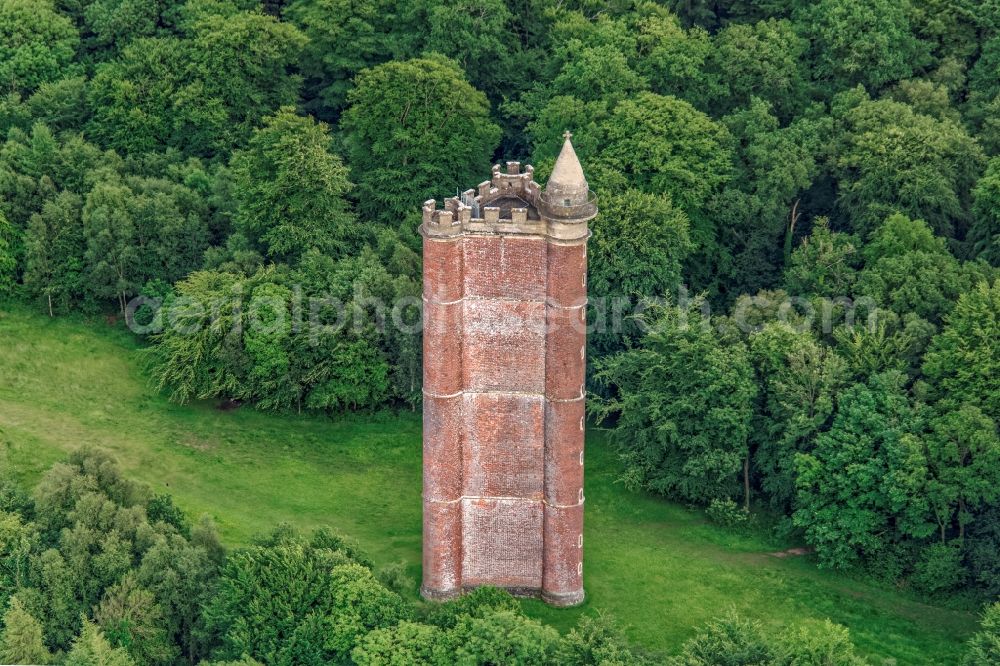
pixel 794 274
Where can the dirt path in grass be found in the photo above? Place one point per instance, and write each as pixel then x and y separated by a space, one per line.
pixel 792 552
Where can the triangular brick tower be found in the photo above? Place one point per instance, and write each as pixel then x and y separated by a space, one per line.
pixel 505 294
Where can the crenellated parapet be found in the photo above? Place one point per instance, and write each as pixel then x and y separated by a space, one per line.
pixel 511 202
pixel 512 182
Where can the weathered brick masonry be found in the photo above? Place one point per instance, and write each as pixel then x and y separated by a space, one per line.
pixel 504 356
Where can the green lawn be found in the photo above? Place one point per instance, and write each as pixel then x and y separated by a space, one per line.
pixel 656 567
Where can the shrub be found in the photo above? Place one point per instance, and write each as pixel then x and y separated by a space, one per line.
pixel 984 648
pixel 727 513
pixel 939 568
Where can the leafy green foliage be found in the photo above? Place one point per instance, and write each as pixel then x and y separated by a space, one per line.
pixel 290 191
pixel 8 260
pixel 963 458
pixel 77 559
pixel 663 145
pixel 202 94
pixel 37 44
pixel 55 267
pixel 112 23
pixel 963 361
pixel 286 340
pixel 495 636
pixel 909 271
pixel 817 642
pixel 343 39
pixel 984 93
pixel 640 243
pixel 729 639
pixel 864 476
pixel 129 617
pixel 675 60
pixel 504 637
pixel 860 42
pixel 984 648
pixel 893 159
pixel 91 648
pixel 984 234
pixel 597 640
pixel 21 637
pixel 734 640
pixel 415 130
pixel 297 601
pixel 981 554
pixel 939 568
pixel 473 33
pixel 683 406
pixel 825 264
pixel 757 211
pixel 799 380
pixel 761 60
pixel 405 643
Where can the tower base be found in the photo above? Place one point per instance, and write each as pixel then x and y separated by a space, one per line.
pixel 439 595
pixel 555 599
pixel 563 599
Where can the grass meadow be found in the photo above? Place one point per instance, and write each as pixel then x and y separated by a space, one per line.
pixel 658 568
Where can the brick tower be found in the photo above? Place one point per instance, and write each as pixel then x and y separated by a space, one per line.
pixel 505 292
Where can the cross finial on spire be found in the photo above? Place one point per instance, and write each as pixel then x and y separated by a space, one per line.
pixel 567 183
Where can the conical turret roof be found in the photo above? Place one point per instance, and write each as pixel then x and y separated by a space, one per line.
pixel 567 180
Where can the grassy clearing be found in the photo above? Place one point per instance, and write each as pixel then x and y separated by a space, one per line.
pixel 657 567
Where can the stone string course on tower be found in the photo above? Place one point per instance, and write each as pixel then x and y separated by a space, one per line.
pixel 505 296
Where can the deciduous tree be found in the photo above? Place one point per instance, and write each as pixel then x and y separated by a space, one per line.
pixel 963 362
pixel 415 130
pixel 984 647
pixel 984 234
pixel 91 648
pixel 868 42
pixel 963 460
pixel 890 159
pixel 640 243
pixel 863 484
pixel 37 44
pixel 8 256
pixel 290 191
pixel 799 380
pixel 21 637
pixel 910 271
pixel 345 37
pixel 683 401
pixel 763 60
pixel 826 263
pixel 54 252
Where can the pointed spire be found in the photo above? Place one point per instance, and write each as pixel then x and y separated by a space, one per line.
pixel 567 182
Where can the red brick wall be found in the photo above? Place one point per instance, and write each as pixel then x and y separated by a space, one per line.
pixel 504 367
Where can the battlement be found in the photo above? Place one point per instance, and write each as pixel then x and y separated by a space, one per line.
pixel 511 183
pixel 511 202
